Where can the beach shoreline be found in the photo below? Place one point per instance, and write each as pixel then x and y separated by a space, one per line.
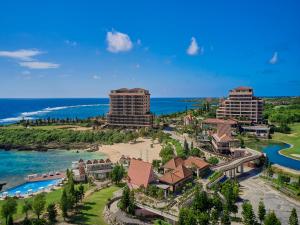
pixel 142 148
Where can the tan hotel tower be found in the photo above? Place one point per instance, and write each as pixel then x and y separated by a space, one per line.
pixel 241 105
pixel 130 108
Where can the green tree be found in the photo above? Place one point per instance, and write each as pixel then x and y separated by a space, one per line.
pixel 10 220
pixel 261 211
pixel 201 202
pixel 64 206
pixel 160 222
pixel 271 219
pixel 248 214
pixel 225 219
pixel 81 191
pixel 127 201
pixel 214 216
pixel 117 174
pixel 52 213
pixel 187 217
pixel 185 148
pixel 38 204
pixel 9 208
pixel 293 220
pixel 26 207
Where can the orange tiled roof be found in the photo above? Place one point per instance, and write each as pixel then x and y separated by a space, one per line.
pixel 223 133
pixel 219 121
pixel 140 173
pixel 195 161
pixel 174 176
pixel 174 163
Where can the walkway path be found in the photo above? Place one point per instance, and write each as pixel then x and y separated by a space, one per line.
pixel 256 189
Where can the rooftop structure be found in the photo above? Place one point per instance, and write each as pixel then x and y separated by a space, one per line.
pixel 99 169
pixel 140 173
pixel 242 105
pixel 130 108
pixel 172 164
pixel 222 140
pixel 177 177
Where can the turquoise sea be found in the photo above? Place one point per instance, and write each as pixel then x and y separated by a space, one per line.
pixel 13 110
pixel 16 165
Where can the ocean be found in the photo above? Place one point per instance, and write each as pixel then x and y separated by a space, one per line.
pixel 13 110
pixel 16 165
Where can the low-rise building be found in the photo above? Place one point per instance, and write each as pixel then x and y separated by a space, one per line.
pixel 222 141
pixel 79 174
pixel 212 123
pixel 188 120
pixel 140 174
pixel 176 178
pixel 199 166
pixel 258 131
pixel 99 169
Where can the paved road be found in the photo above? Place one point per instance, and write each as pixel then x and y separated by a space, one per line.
pixel 255 189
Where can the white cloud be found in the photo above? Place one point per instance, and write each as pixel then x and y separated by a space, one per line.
pixel 118 42
pixel 39 65
pixel 26 72
pixel 96 77
pixel 193 48
pixel 274 58
pixel 22 54
pixel 71 43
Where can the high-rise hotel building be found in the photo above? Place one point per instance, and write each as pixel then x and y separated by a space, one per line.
pixel 241 105
pixel 130 108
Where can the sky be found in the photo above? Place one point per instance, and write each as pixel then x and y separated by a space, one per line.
pixel 65 49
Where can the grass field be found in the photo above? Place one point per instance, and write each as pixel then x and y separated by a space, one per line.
pixel 51 197
pixel 91 211
pixel 293 138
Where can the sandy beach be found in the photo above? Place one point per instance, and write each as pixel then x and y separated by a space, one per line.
pixel 140 149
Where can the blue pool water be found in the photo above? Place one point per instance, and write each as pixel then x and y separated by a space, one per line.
pixel 16 165
pixel 33 186
pixel 272 151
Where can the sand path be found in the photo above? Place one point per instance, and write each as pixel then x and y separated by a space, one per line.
pixel 140 149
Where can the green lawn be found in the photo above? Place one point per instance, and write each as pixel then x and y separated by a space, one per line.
pixel 53 196
pixel 292 138
pixel 91 211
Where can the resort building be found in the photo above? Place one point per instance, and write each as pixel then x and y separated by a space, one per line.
pixel 212 123
pixel 241 105
pixel 222 140
pixel 188 120
pixel 172 164
pixel 140 174
pixel 79 172
pixel 199 166
pixel 130 108
pixel 98 169
pixel 258 130
pixel 176 178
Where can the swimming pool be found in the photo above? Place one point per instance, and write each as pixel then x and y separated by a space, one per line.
pixel 30 187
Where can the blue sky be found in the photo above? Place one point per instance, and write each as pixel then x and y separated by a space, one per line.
pixel 173 48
